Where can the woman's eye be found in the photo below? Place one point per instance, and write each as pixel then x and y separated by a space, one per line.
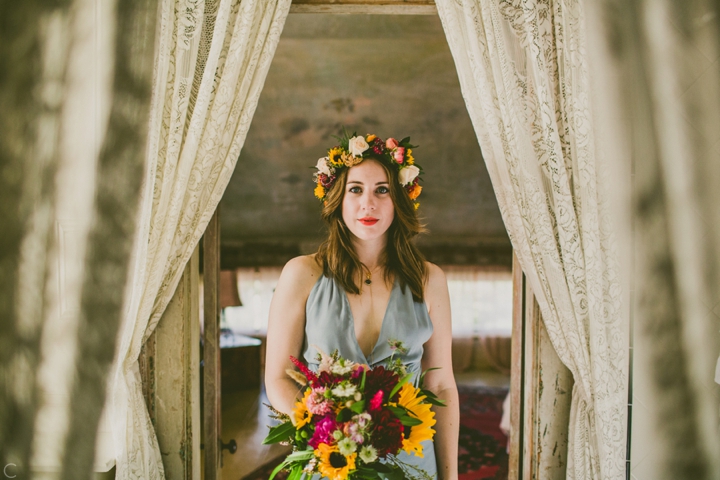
pixel 383 190
pixel 354 190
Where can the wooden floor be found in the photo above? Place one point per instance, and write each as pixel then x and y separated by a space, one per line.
pixel 245 418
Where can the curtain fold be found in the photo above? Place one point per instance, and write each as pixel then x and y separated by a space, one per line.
pixel 523 72
pixel 211 62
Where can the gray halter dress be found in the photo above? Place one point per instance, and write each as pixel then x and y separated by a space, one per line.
pixel 329 325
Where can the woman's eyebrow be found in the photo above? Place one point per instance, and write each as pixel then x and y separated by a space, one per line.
pixel 361 183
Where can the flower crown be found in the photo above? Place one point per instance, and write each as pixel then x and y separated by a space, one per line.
pixel 354 149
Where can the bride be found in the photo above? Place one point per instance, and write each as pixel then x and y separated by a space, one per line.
pixel 367 285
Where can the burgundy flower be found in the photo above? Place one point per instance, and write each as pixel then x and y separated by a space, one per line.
pixel 380 379
pixel 327 379
pixel 387 434
pixel 378 146
pixel 326 180
pixel 323 431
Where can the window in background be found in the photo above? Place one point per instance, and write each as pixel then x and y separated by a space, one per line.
pixel 256 287
pixel 481 300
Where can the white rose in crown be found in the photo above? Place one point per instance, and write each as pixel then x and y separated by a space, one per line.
pixel 357 145
pixel 408 174
pixel 323 166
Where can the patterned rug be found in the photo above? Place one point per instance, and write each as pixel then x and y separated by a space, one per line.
pixel 482 453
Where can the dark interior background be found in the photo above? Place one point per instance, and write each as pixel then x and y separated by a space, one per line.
pixel 389 75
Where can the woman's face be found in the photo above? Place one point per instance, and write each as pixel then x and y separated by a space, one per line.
pixel 367 207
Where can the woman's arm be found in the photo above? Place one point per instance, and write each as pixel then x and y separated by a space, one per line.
pixel 442 382
pixel 286 325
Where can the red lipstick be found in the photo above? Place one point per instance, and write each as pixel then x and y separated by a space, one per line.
pixel 368 221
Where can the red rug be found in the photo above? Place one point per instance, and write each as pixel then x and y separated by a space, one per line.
pixel 482 453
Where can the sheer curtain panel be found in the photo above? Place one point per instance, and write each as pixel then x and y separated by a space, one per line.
pixel 210 65
pixel 523 72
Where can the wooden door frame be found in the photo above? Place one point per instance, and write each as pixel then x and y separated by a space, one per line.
pixel 530 353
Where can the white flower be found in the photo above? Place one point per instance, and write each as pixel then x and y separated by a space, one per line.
pixel 344 391
pixel 357 145
pixel 362 420
pixel 368 454
pixel 341 368
pixel 408 174
pixel 323 166
pixel 347 446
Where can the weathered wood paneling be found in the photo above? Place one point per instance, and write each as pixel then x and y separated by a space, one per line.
pixel 170 367
pixel 384 7
pixel 547 395
pixel 211 349
pixel 516 373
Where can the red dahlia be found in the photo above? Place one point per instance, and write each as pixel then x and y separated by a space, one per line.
pixel 327 379
pixel 387 434
pixel 380 379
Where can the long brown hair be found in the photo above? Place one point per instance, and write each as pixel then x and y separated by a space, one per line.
pixel 401 258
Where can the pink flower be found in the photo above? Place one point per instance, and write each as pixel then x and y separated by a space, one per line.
pixel 399 154
pixel 376 401
pixel 323 431
pixel 317 404
pixel 359 369
pixel 352 431
pixel 391 143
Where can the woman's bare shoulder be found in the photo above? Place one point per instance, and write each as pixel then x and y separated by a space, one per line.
pixel 302 272
pixel 435 276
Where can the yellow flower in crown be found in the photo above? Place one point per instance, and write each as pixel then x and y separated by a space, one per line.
pixel 333 464
pixel 410 399
pixel 320 191
pixel 335 157
pixel 353 149
pixel 301 414
pixel 409 159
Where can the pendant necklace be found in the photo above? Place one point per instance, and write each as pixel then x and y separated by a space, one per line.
pixel 368 279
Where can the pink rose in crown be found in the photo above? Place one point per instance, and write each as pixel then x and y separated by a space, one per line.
pixel 391 143
pixel 399 154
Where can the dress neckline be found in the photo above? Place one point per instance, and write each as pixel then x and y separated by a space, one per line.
pixel 378 342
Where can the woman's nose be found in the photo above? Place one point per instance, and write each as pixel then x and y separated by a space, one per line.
pixel 368 201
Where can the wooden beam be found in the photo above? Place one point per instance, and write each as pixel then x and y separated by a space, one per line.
pixel 516 373
pixel 267 254
pixel 365 7
pixel 211 353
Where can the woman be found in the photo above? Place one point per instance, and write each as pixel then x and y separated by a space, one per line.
pixel 366 285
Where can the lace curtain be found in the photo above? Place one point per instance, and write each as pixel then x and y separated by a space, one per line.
pixel 523 72
pixel 211 62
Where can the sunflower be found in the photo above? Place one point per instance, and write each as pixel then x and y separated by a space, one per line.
pixel 335 157
pixel 414 404
pixel 320 191
pixel 333 464
pixel 409 159
pixel 301 415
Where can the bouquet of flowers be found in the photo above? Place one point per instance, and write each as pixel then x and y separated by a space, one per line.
pixel 353 421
